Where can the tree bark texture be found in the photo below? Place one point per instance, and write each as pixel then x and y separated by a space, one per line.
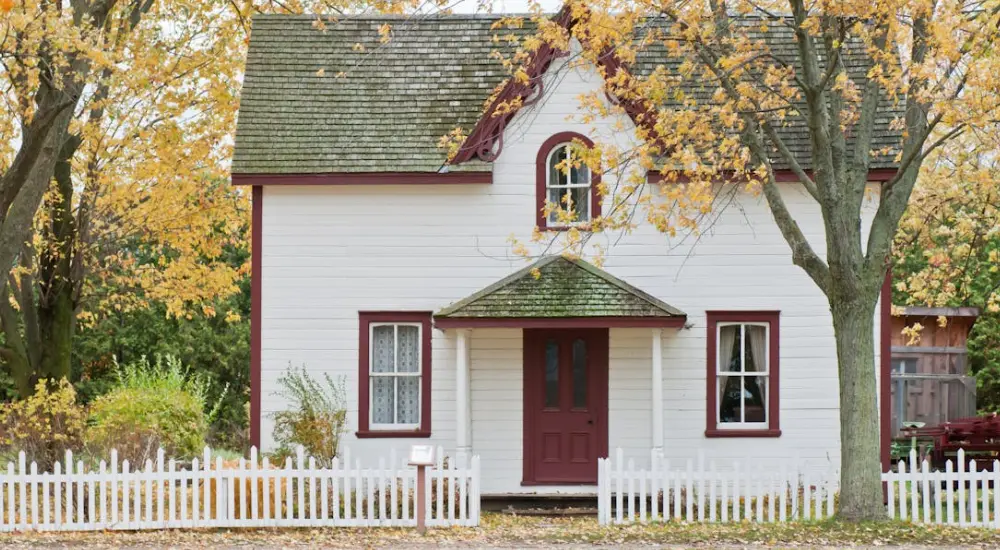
pixel 860 465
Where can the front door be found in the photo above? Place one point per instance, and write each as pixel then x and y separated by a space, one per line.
pixel 565 405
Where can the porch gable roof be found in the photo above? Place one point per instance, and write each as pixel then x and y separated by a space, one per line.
pixel 564 289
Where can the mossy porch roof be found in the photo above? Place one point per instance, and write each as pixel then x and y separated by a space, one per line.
pixel 564 288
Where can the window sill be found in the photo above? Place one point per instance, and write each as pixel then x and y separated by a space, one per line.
pixel 742 433
pixel 585 228
pixel 376 434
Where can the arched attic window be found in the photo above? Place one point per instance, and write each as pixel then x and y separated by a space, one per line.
pixel 575 189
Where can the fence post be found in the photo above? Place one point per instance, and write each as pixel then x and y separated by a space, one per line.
pixel 422 498
pixel 601 482
pixel 474 498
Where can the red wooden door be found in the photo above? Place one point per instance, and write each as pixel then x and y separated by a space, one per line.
pixel 565 405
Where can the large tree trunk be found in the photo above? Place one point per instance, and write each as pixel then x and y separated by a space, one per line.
pixel 56 305
pixel 860 478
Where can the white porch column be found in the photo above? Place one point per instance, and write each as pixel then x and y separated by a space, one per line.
pixel 657 405
pixel 463 424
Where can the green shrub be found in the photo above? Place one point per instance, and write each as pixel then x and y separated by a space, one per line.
pixel 44 425
pixel 316 416
pixel 151 406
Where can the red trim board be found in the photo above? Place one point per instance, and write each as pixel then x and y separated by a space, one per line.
pixel 772 318
pixel 559 322
pixel 256 250
pixel 366 178
pixel 365 318
pixel 541 177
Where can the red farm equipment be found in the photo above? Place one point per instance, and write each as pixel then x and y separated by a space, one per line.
pixel 979 436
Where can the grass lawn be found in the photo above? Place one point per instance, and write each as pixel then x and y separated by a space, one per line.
pixel 509 531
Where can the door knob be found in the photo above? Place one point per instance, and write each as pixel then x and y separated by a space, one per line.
pixel 590 421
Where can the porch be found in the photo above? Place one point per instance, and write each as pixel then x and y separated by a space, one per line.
pixel 551 364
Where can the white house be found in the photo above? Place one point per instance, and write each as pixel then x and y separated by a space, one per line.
pixel 377 261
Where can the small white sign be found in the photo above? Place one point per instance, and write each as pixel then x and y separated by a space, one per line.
pixel 421 455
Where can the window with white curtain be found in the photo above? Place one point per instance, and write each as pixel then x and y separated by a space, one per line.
pixel 742 373
pixel 394 375
pixel 568 183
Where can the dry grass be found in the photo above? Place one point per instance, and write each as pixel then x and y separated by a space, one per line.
pixel 512 531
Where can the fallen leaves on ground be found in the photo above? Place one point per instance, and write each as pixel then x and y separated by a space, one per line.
pixel 503 530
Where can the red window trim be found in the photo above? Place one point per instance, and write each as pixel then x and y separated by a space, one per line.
pixel 366 318
pixel 541 173
pixel 773 389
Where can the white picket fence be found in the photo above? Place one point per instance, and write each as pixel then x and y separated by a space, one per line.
pixel 712 491
pixel 960 495
pixel 243 493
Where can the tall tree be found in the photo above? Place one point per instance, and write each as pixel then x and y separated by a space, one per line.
pixel 142 160
pixel 135 103
pixel 947 250
pixel 928 65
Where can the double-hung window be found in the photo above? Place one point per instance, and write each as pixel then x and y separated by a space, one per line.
pixel 567 191
pixel 568 186
pixel 395 374
pixel 743 374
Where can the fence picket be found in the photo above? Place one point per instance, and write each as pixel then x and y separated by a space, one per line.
pixel 914 483
pixel 114 487
pixel 902 490
pixel 985 483
pixel 255 480
pixel 57 501
pixel 33 491
pixel 971 493
pixel 949 491
pixel 961 488
pixel 995 484
pixel 926 490
pixel 937 498
pixel 22 470
pixel 312 491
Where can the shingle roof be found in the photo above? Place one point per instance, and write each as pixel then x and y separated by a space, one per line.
pixel 386 114
pixel 780 39
pixel 565 288
pixel 397 99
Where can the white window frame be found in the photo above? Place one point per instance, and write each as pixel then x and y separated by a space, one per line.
pixel 720 374
pixel 372 375
pixel 569 184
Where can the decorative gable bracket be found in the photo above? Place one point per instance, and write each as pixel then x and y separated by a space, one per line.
pixel 485 142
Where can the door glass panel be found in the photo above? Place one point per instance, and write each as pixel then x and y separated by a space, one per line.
pixel 551 374
pixel 579 373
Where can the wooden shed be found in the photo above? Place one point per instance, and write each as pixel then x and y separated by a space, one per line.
pixel 932 373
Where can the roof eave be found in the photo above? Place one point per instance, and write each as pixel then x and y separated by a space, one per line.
pixel 443 323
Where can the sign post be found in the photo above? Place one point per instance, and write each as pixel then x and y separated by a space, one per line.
pixel 421 456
